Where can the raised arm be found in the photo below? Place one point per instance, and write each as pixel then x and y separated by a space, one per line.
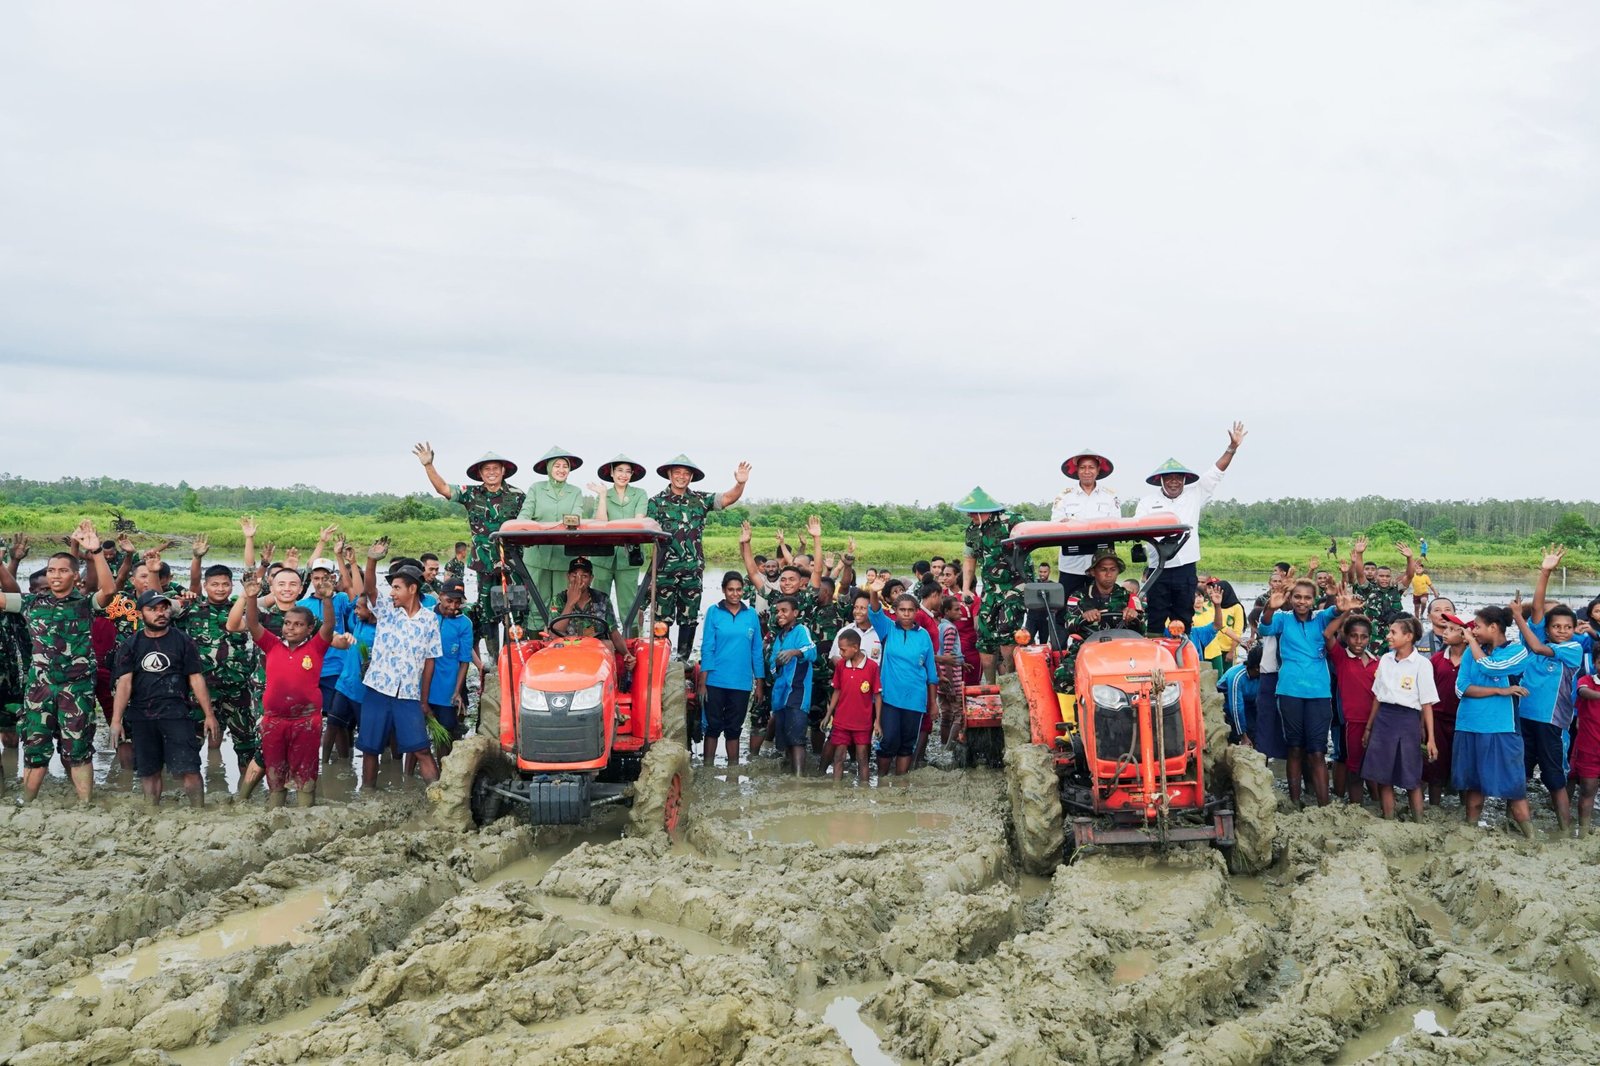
pixel 1236 437
pixel 846 577
pixel 731 497
pixel 8 574
pixel 250 597
pixel 197 558
pixel 1358 548
pixel 89 541
pixel 369 580
pixel 1547 566
pixel 356 585
pixel 1530 640
pixel 1411 563
pixel 326 632
pixel 424 454
pixel 324 535
pixel 751 570
pixel 247 526
pixel 600 494
pixel 814 530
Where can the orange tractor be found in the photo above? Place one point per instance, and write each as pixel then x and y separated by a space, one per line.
pixel 570 735
pixel 1125 757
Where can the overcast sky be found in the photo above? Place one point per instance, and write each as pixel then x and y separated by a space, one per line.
pixel 884 251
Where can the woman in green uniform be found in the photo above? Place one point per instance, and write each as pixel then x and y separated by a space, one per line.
pixel 551 501
pixel 622 500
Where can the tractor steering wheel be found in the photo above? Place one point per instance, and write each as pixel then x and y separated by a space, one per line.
pixel 1108 635
pixel 601 626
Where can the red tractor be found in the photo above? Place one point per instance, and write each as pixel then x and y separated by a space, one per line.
pixel 1126 756
pixel 565 734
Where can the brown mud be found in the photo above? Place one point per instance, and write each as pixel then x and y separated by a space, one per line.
pixel 788 922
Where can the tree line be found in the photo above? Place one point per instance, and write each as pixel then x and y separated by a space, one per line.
pixel 1576 523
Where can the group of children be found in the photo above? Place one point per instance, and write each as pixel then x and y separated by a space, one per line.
pixel 1477 706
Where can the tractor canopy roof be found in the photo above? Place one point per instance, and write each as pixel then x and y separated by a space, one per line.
pixel 1029 536
pixel 622 532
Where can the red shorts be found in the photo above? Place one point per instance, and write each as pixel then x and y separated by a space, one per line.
pixel 1354 749
pixel 1586 746
pixel 291 749
pixel 849 738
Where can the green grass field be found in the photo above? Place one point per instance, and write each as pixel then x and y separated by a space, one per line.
pixel 896 550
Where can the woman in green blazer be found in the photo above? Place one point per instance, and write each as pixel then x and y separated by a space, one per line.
pixel 551 500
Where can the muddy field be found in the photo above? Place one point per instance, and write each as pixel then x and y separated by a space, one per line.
pixel 794 922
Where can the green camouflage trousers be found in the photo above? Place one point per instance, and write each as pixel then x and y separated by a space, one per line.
pixel 999 618
pixel 678 596
pixel 236 714
pixel 57 715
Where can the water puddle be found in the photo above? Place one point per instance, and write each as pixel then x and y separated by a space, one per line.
pixel 1434 1019
pixel 1131 965
pixel 831 828
pixel 840 1007
pixel 225 1049
pixel 593 918
pixel 1438 919
pixel 279 923
pixel 1222 928
pixel 1030 886
pixel 534 866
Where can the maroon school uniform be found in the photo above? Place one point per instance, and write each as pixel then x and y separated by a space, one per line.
pixel 1586 746
pixel 1444 719
pixel 858 687
pixel 1354 679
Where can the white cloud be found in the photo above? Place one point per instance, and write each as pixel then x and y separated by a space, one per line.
pixel 883 251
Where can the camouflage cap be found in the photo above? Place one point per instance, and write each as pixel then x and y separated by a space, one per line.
pixel 639 469
pixel 556 452
pixel 696 474
pixel 1102 554
pixel 1172 466
pixel 979 502
pixel 476 469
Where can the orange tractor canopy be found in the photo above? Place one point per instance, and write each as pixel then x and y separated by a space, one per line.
pixel 576 727
pixel 1127 746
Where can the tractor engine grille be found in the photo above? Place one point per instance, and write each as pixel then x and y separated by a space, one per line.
pixel 1115 727
pixel 560 734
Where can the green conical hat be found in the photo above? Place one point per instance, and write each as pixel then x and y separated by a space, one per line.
pixel 556 452
pixel 1172 466
pixel 621 457
pixel 979 502
pixel 476 468
pixel 681 460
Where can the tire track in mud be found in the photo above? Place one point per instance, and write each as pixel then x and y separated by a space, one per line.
pixel 447 946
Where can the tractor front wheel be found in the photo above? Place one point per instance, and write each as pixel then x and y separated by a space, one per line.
pixel 674 703
pixel 1035 794
pixel 462 798
pixel 661 792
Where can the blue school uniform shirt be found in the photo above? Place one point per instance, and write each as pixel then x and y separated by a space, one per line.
pixel 907 667
pixel 785 683
pixel 1302 653
pixel 1488 714
pixel 730 648
pixel 1239 690
pixel 455 648
pixel 1550 681
pixel 333 661
pixel 355 659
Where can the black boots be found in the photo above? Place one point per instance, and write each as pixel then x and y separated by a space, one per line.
pixel 686 640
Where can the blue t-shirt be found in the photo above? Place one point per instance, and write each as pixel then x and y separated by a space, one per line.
pixel 1302 653
pixel 355 658
pixel 455 648
pixel 730 648
pixel 791 681
pixel 907 667
pixel 333 661
pixel 1489 714
pixel 1239 690
pixel 1550 681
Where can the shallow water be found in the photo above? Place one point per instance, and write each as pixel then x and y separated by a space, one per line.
pixel 279 923
pixel 238 1039
pixel 1434 1018
pixel 828 828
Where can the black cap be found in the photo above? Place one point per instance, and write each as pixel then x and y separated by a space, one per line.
pixel 151 597
pixel 453 589
pixel 581 563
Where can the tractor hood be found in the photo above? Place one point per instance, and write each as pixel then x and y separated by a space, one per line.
pixel 1029 536
pixel 1124 662
pixel 569 665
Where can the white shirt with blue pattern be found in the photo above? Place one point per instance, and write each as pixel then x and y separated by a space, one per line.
pixel 401 643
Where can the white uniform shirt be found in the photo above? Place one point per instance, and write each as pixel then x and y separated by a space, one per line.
pixel 1185 509
pixel 871 646
pixel 1405 682
pixel 1075 505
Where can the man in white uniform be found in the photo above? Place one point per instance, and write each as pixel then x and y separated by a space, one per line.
pixel 1183 495
pixel 1083 500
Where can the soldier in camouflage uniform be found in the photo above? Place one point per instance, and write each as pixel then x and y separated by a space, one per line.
pixel 489 505
pixel 1382 598
pixel 1103 605
pixel 15 651
pixel 229 658
pixel 58 704
pixel 1001 613
pixel 456 565
pixel 680 565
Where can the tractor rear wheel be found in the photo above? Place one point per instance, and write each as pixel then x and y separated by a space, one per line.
pixel 461 797
pixel 674 704
pixel 661 792
pixel 489 704
pixel 1035 794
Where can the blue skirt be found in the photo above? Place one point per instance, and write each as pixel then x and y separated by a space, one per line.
pixel 1490 763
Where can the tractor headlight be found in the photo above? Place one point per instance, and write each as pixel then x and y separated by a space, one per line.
pixel 1111 698
pixel 533 700
pixel 1170 697
pixel 589 698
